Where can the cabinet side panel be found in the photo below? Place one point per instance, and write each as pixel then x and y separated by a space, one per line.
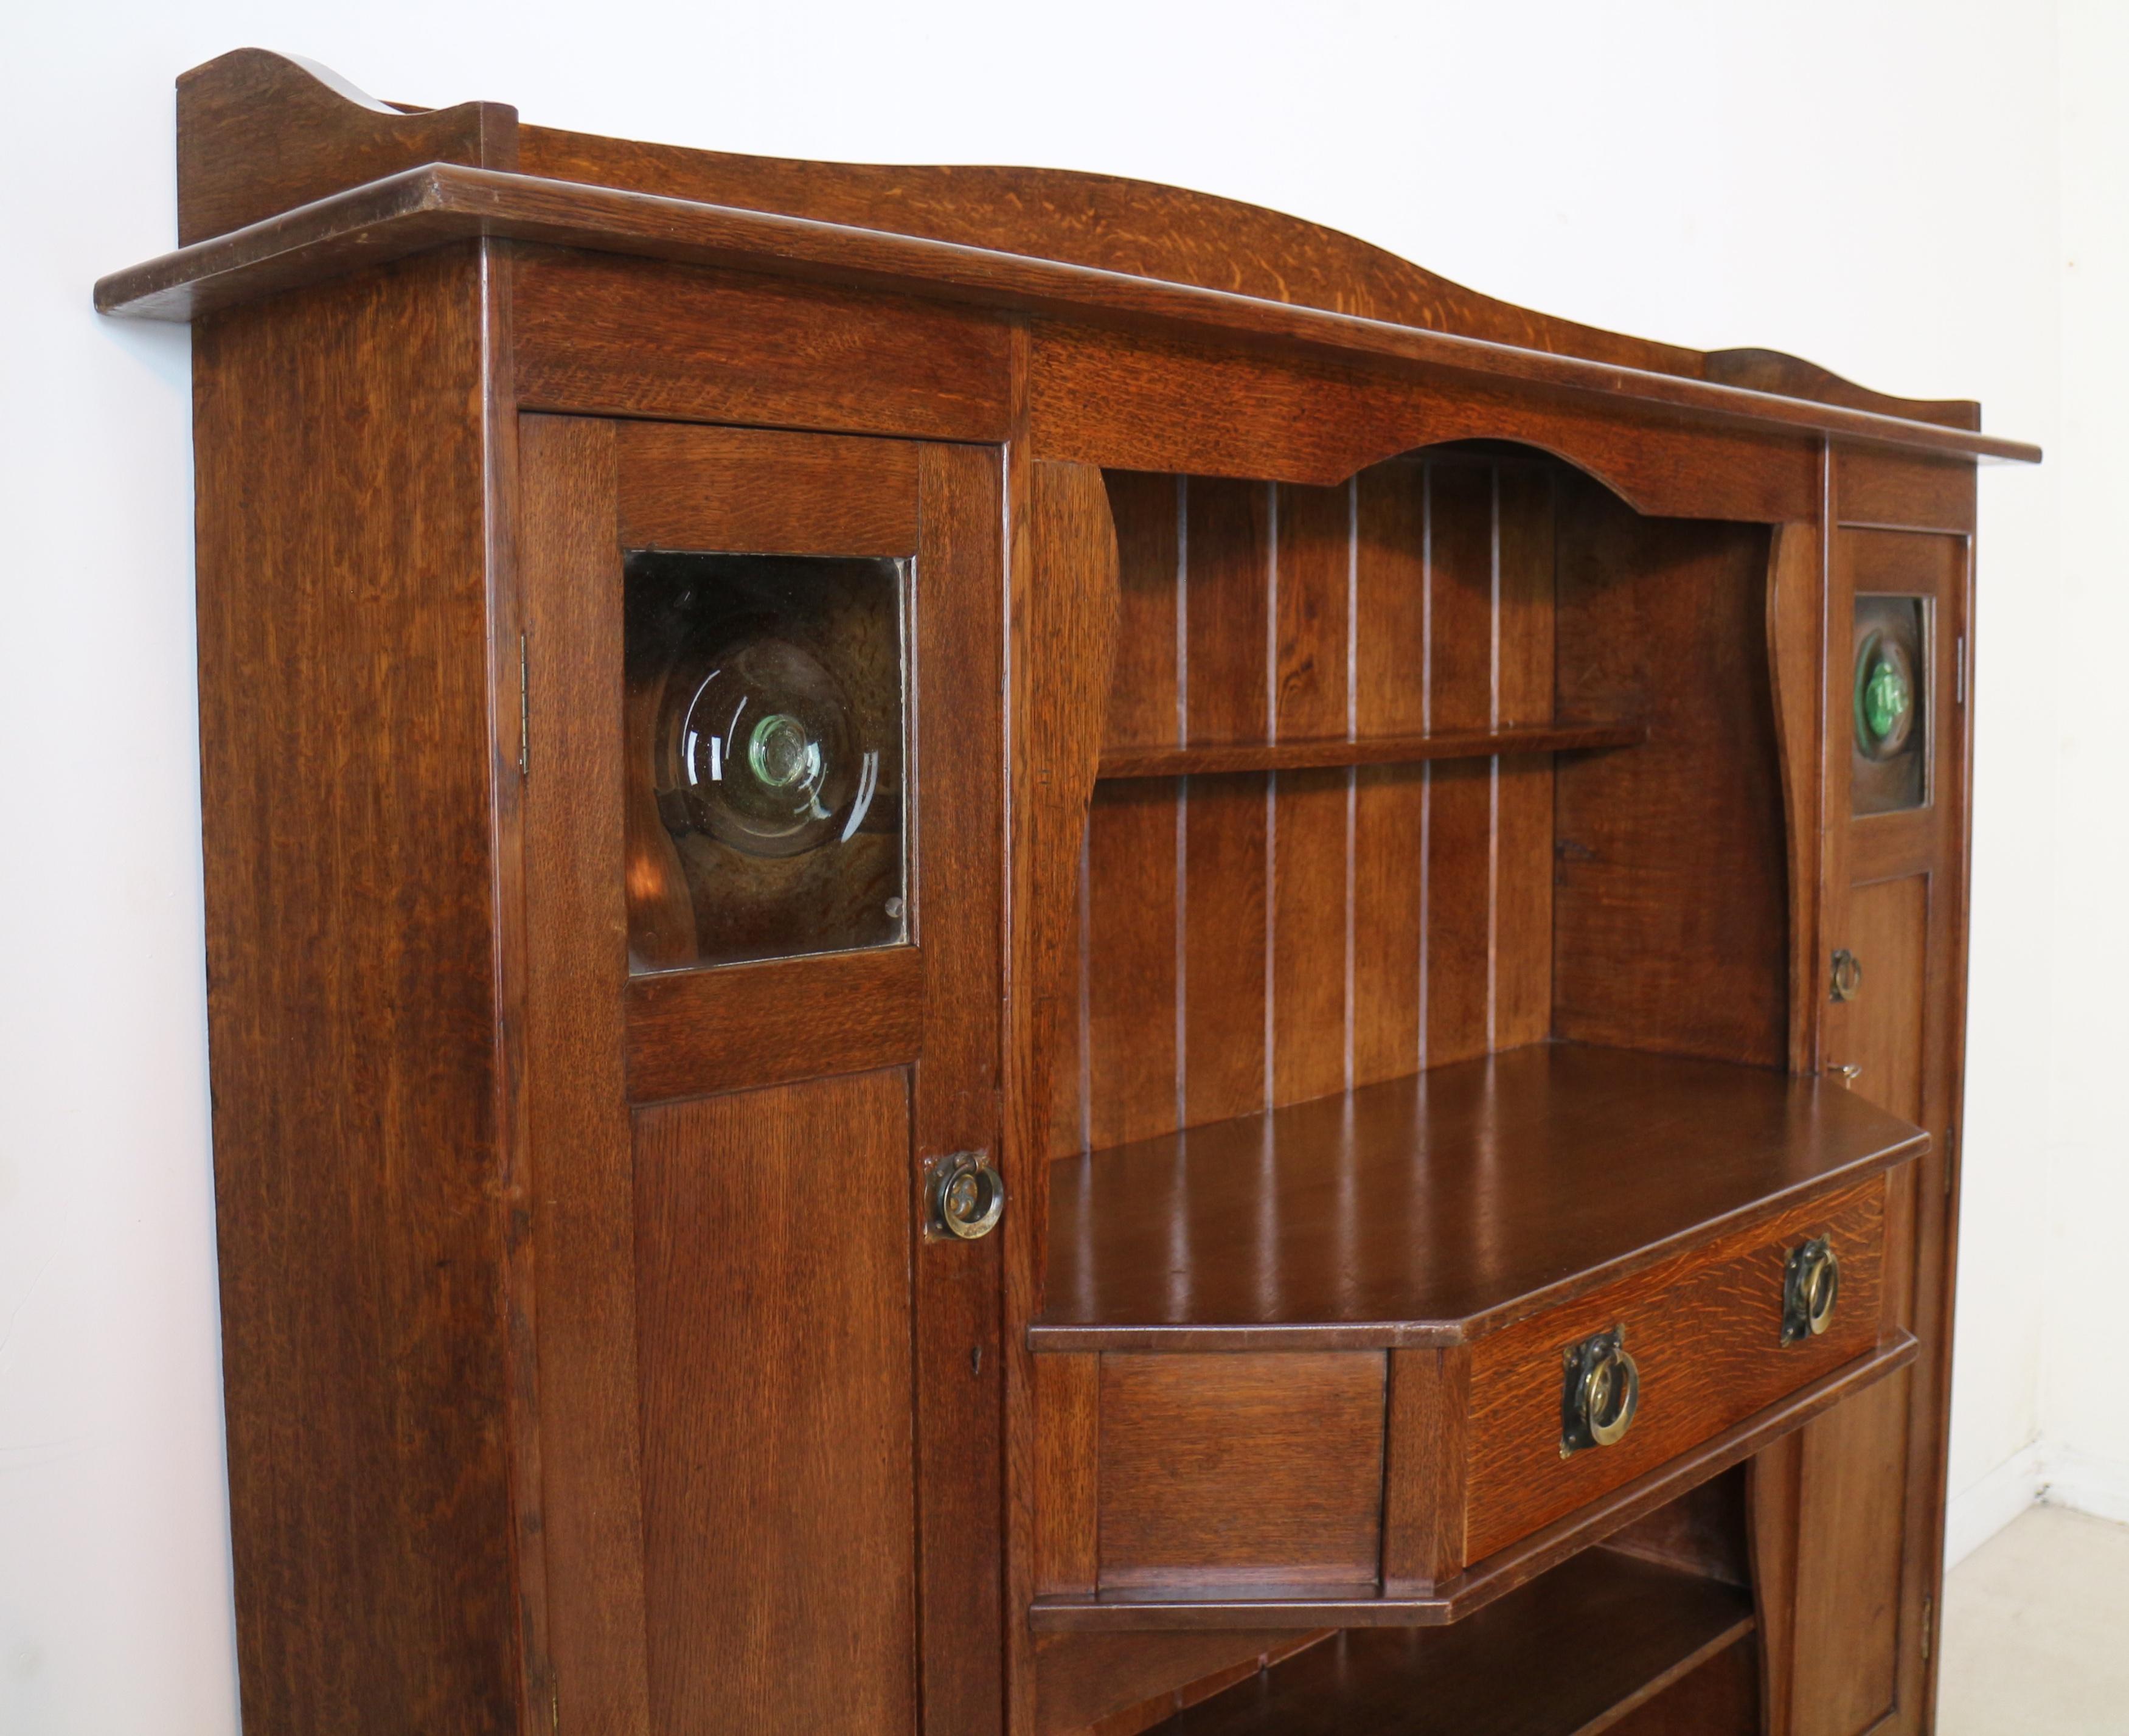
pixel 345 752
pixel 774 1331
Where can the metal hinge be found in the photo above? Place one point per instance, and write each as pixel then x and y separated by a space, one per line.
pixel 1958 670
pixel 524 708
pixel 1929 1622
pixel 1950 1153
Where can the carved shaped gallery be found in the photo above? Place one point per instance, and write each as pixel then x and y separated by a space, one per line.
pixel 1084 962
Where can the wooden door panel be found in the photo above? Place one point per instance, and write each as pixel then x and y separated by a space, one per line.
pixel 773 1328
pixel 771 1406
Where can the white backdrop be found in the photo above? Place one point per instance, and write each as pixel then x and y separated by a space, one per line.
pixel 1877 187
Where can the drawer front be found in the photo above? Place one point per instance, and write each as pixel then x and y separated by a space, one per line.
pixel 1705 1329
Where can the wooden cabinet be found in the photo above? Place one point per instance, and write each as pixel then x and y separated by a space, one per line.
pixel 997 953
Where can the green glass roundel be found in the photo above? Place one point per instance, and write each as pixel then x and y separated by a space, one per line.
pixel 778 752
pixel 1884 697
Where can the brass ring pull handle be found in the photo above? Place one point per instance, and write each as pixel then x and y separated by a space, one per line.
pixel 963 1196
pixel 1810 1288
pixel 1603 1392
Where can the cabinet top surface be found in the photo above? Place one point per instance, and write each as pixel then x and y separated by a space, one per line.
pixel 1430 1210
pixel 288 175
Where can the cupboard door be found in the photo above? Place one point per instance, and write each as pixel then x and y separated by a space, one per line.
pixel 1868 1480
pixel 761 884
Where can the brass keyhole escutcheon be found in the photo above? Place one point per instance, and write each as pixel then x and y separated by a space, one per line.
pixel 1810 1286
pixel 964 1196
pixel 1602 1394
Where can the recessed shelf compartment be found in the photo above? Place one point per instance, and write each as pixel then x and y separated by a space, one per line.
pixel 1202 758
pixel 1581 1647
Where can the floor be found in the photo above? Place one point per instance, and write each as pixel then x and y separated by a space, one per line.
pixel 2036 1631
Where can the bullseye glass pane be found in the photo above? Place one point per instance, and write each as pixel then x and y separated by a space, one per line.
pixel 765 736
pixel 1889 768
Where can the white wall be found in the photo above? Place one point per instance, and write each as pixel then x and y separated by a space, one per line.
pixel 1874 186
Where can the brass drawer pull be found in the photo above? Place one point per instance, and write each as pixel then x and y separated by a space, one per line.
pixel 1810 1288
pixel 1603 1392
pixel 963 1196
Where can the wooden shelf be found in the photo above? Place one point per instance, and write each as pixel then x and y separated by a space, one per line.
pixel 1567 1654
pixel 1290 756
pixel 1425 1210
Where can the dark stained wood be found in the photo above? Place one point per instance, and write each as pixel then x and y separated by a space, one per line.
pixel 955 1107
pixel 1312 555
pixel 1717 1696
pixel 1424 1467
pixel 1130 970
pixel 761 493
pixel 1670 912
pixel 1706 1530
pixel 260 133
pixel 1796 640
pixel 1705 1328
pixel 1061 631
pixel 362 1234
pixel 1517 738
pixel 1302 1434
pixel 768 1442
pixel 1112 1683
pixel 608 336
pixel 1143 713
pixel 1390 819
pixel 432 207
pixel 1847 1650
pixel 585 1208
pixel 1566 1655
pixel 691 1033
pixel 1225 1044
pixel 1363 1220
pixel 1457 1599
pixel 1068 1402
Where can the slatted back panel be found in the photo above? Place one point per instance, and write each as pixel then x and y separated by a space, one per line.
pixel 1256 938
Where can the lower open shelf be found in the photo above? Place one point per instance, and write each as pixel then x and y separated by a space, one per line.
pixel 1569 1654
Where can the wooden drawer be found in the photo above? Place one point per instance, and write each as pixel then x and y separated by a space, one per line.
pixel 1386 1474
pixel 1705 1329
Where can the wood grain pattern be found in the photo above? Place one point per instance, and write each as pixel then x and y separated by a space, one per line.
pixel 776 1377
pixel 1224 1041
pixel 692 1033
pixel 361 1234
pixel 1566 1655
pixel 260 134
pixel 1364 1221
pixel 1108 1684
pixel 1888 925
pixel 1847 1646
pixel 1060 629
pixel 1456 1600
pixel 436 205
pixel 1671 918
pixel 1068 1404
pixel 1390 750
pixel 576 1060
pixel 600 336
pixel 1425 1463
pixel 1796 641
pixel 1131 1025
pixel 1180 1434
pixel 751 492
pixel 959 633
pixel 1705 1329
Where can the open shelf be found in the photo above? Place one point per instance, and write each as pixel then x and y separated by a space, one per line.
pixel 1290 756
pixel 1567 1655
pixel 1423 1210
